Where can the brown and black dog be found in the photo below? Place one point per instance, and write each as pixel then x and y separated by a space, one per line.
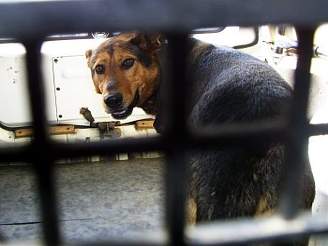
pixel 227 86
pixel 125 73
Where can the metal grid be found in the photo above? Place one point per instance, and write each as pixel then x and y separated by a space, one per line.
pixel 29 22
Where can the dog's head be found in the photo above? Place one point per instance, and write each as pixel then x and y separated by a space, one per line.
pixel 124 70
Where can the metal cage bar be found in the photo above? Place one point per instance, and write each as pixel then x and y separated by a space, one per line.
pixel 230 134
pixel 42 158
pixel 296 149
pixel 160 15
pixel 175 135
pixel 246 231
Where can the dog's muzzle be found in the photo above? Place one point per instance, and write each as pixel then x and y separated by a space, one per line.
pixel 115 106
pixel 114 101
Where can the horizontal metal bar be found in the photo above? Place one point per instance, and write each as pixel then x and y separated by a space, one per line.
pixel 235 132
pixel 243 231
pixel 239 133
pixel 259 230
pixel 153 238
pixel 31 19
pixel 63 150
pixel 122 242
pixel 144 239
pixel 318 129
pixel 14 153
pixel 103 148
pixel 230 134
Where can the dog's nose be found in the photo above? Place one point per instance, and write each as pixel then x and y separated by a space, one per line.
pixel 114 100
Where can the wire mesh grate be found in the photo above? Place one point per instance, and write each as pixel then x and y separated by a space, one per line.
pixel 176 140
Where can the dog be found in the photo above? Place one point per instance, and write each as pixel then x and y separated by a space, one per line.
pixel 227 86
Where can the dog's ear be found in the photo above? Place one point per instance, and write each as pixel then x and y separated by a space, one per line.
pixel 149 42
pixel 88 55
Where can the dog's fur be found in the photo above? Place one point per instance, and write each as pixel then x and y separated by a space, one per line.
pixel 227 87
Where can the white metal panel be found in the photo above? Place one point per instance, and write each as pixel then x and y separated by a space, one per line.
pixel 14 106
pixel 47 72
pixel 14 103
pixel 74 89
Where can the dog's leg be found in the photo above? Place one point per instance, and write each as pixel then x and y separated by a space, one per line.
pixel 191 210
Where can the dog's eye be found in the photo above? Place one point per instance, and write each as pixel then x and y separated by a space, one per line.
pixel 100 69
pixel 127 63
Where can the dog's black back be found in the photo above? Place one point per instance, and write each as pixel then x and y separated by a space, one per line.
pixel 229 86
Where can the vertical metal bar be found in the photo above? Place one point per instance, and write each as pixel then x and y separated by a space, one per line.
pixel 175 137
pixel 174 86
pixel 296 149
pixel 42 158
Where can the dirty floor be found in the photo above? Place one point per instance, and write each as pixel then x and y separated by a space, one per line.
pixel 97 201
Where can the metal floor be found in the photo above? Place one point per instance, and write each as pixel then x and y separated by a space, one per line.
pixel 97 201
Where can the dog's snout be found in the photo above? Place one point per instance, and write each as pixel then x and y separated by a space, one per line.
pixel 114 100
